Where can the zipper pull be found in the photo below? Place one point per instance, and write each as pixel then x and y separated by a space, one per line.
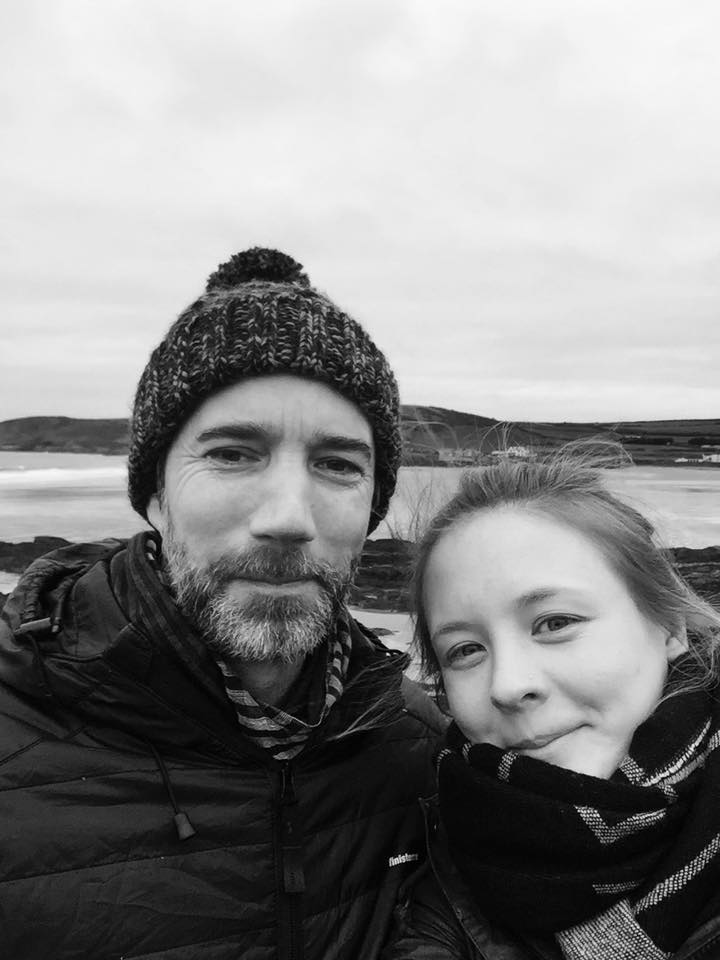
pixel 290 839
pixel 287 787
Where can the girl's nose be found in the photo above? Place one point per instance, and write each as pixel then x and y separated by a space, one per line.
pixel 517 681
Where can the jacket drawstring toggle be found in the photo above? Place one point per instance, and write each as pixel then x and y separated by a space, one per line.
pixel 184 827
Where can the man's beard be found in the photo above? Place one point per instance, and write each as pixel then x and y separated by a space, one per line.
pixel 261 626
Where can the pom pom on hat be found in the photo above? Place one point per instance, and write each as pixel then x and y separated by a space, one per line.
pixel 257 263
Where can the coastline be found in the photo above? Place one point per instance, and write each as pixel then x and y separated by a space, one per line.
pixel 381 582
pixel 432 437
pixel 378 598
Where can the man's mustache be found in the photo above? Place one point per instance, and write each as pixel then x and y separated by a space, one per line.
pixel 269 563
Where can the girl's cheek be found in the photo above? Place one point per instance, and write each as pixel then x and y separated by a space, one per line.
pixel 464 698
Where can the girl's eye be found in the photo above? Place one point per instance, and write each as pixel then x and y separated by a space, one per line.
pixel 554 623
pixel 465 654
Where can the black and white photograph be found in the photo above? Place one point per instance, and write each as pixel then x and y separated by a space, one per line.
pixel 360 480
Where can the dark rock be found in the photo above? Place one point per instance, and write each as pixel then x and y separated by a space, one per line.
pixel 14 557
pixel 701 555
pixel 384 573
pixel 382 578
pixel 701 569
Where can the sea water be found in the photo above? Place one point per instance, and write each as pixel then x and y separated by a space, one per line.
pixel 83 497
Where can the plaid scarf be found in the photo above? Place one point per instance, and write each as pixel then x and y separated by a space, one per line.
pixel 282 730
pixel 621 868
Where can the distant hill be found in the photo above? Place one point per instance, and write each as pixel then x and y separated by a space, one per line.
pixel 427 429
pixel 432 435
pixel 64 435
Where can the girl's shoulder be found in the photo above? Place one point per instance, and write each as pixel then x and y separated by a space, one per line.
pixel 439 919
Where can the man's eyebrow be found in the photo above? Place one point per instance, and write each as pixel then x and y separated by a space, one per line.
pixel 346 444
pixel 233 431
pixel 251 430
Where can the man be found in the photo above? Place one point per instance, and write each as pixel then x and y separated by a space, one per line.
pixel 202 754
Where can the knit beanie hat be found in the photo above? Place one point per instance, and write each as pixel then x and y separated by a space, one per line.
pixel 259 315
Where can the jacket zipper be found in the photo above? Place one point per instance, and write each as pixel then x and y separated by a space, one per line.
pixel 292 874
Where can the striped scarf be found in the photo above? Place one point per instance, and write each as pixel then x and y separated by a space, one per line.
pixel 283 731
pixel 622 868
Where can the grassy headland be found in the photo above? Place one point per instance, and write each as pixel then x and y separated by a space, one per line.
pixel 433 436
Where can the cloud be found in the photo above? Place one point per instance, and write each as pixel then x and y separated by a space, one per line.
pixel 492 188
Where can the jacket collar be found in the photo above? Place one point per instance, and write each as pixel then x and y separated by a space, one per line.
pixel 124 656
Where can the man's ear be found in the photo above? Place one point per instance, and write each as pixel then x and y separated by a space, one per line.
pixel 676 642
pixel 155 515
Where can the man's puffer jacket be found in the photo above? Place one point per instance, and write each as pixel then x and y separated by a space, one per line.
pixel 136 819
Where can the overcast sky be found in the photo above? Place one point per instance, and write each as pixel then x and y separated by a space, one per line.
pixel 520 199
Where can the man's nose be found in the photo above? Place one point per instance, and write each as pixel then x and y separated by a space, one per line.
pixel 517 679
pixel 284 509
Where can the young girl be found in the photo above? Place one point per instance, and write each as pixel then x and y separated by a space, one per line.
pixel 578 808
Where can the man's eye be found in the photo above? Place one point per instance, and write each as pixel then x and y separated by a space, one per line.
pixel 340 467
pixel 554 623
pixel 230 455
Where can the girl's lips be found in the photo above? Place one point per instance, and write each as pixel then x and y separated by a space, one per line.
pixel 535 743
